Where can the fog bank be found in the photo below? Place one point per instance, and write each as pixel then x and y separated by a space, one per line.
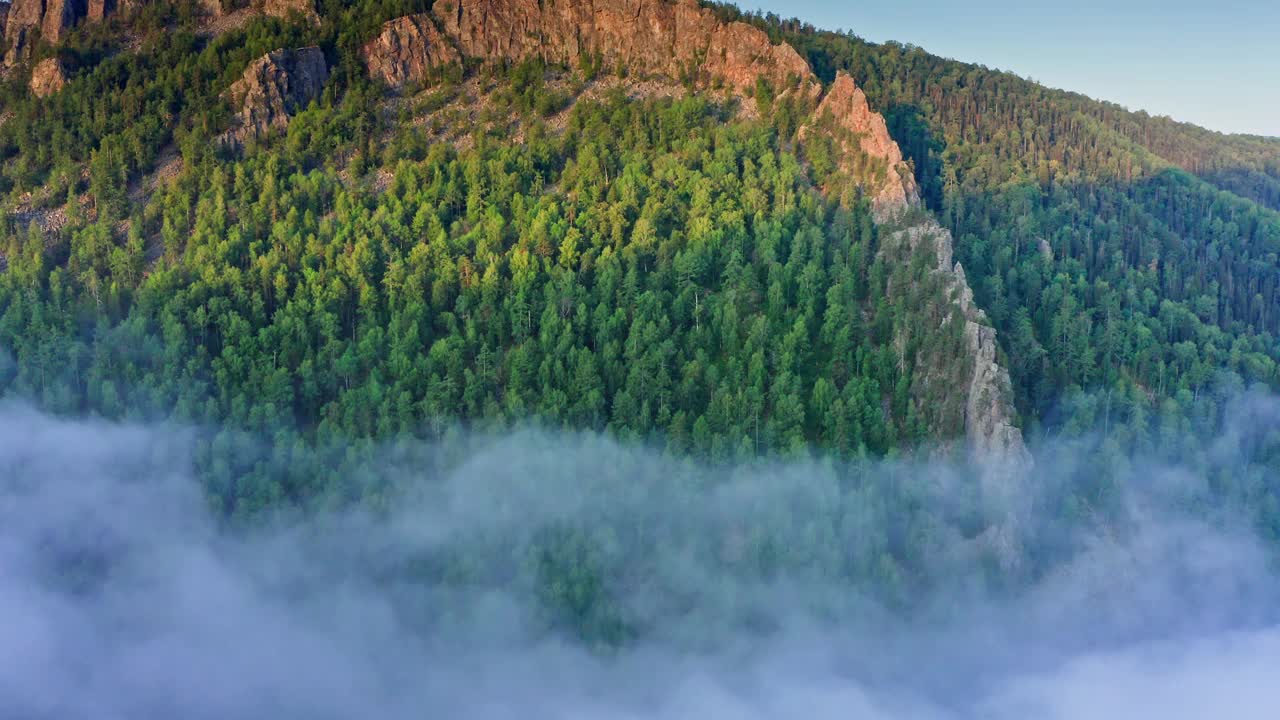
pixel 564 576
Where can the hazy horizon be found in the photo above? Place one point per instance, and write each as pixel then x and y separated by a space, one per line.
pixel 1143 55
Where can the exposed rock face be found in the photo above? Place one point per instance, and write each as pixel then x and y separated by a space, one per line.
pixel 860 130
pixel 273 88
pixel 48 77
pixel 51 18
pixel 60 16
pixel 4 17
pixel 100 9
pixel 988 392
pixel 22 22
pixel 286 8
pixel 988 420
pixel 407 50
pixel 988 407
pixel 648 37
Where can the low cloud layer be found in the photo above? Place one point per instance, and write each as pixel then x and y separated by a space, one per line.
pixel 551 576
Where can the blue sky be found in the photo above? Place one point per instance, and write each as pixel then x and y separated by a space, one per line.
pixel 1215 63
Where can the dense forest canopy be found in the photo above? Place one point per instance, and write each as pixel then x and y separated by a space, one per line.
pixel 524 242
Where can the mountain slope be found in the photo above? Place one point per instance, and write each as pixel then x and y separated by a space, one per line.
pixel 670 222
pixel 1118 254
pixel 652 37
pixel 655 257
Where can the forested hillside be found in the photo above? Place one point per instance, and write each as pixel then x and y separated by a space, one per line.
pixel 1126 257
pixel 694 256
pixel 617 358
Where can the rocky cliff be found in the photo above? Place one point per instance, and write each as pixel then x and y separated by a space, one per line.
pixel 48 77
pixel 679 40
pixel 99 10
pixel 407 50
pixel 50 19
pixel 862 133
pixel 988 415
pixel 870 156
pixel 646 37
pixel 287 8
pixel 272 89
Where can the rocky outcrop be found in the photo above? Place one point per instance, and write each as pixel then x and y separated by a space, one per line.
pixel 862 133
pixel 100 9
pixel 59 17
pixel 988 411
pixel 274 88
pixel 49 19
pixel 988 393
pixel 871 158
pixel 646 37
pixel 4 17
pixel 48 77
pixel 407 51
pixel 288 8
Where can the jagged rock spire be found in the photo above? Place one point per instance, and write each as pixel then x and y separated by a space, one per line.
pixel 845 112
